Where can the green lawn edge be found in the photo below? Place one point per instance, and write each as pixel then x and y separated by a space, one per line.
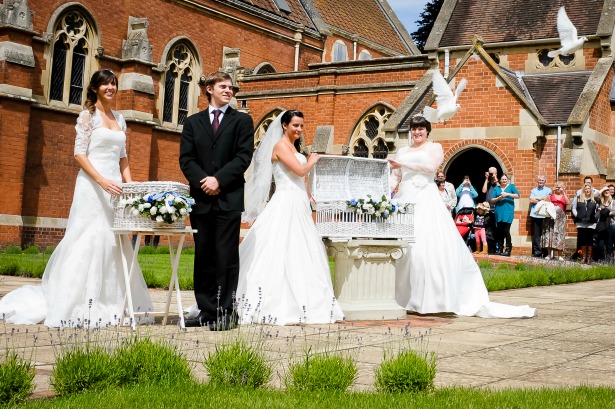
pixel 191 395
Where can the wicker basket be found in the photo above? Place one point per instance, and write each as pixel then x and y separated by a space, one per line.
pixel 122 217
pixel 336 179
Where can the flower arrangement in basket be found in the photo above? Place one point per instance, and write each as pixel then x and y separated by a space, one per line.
pixel 383 208
pixel 162 207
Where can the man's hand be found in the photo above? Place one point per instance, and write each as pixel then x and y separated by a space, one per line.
pixel 210 186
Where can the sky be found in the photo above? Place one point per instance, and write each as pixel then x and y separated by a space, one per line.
pixel 408 11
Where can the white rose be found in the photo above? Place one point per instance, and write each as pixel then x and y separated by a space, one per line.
pixel 153 211
pixel 173 217
pixel 170 197
pixel 163 210
pixel 147 205
pixel 159 219
pixel 141 207
pixel 183 211
pixel 145 197
pixel 134 212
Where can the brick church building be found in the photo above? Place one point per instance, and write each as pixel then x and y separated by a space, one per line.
pixel 349 65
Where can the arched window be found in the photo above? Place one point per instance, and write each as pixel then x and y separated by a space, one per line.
pixel 71 57
pixel 340 51
pixel 262 127
pixel 264 68
pixel 179 84
pixel 365 55
pixel 367 138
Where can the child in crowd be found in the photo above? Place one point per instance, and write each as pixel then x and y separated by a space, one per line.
pixel 481 222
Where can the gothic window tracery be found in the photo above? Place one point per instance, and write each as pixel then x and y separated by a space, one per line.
pixel 368 139
pixel 71 57
pixel 179 85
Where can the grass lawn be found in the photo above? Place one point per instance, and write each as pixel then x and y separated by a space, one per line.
pixel 155 265
pixel 201 396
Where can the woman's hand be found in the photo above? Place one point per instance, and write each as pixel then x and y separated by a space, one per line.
pixel 111 187
pixel 312 159
pixel 394 164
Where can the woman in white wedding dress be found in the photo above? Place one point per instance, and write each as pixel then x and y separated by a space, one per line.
pixel 438 273
pixel 83 283
pixel 284 275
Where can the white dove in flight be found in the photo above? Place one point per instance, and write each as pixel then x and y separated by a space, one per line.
pixel 567 35
pixel 446 100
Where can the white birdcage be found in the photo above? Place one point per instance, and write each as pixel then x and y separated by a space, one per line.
pixel 123 217
pixel 336 179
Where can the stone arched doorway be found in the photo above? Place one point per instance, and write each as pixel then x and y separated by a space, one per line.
pixel 473 162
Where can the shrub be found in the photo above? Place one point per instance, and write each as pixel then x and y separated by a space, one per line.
pixel 408 371
pixel 12 250
pixel 319 372
pixel 162 250
pixel 32 250
pixel 142 360
pixel 147 250
pixel 16 379
pixel 188 250
pixel 49 250
pixel 9 267
pixel 237 364
pixel 83 368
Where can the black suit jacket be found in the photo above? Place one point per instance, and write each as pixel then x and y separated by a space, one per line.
pixel 226 156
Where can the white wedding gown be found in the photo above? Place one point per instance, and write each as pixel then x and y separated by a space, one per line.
pixel 438 273
pixel 83 283
pixel 284 275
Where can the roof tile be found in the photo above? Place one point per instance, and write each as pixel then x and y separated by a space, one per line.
pixel 362 17
pixel 517 20
pixel 555 95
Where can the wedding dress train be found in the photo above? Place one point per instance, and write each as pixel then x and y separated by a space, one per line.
pixel 438 273
pixel 284 275
pixel 83 283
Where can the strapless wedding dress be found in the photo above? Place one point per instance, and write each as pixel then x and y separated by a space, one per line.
pixel 83 283
pixel 284 275
pixel 438 273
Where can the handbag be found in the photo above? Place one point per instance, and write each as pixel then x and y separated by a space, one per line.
pixel 542 209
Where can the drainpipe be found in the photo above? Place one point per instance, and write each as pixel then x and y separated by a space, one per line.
pixel 355 40
pixel 558 155
pixel 447 55
pixel 298 38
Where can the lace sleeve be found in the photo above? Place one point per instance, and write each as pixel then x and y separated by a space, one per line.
pixel 122 123
pixel 84 132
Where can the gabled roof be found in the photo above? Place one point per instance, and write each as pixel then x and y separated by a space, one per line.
pixel 297 15
pixel 555 95
pixel 373 20
pixel 512 20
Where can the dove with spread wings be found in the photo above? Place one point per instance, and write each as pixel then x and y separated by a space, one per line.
pixel 446 100
pixel 567 35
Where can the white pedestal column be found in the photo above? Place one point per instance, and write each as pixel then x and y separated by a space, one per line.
pixel 365 277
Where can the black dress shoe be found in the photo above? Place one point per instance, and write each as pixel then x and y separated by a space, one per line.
pixel 223 324
pixel 199 321
pixel 537 255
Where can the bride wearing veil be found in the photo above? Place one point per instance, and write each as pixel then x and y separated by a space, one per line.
pixel 284 275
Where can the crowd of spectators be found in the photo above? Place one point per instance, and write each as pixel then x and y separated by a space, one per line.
pixel 592 210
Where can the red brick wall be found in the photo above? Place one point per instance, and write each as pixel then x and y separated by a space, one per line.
pixel 602 116
pixel 482 103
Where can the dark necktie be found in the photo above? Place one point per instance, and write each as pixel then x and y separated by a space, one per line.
pixel 216 123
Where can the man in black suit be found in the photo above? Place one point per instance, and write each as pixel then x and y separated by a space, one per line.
pixel 216 149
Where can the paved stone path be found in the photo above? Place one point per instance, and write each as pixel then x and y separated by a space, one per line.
pixel 571 342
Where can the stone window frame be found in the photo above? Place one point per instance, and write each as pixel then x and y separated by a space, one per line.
pixel 366 53
pixel 195 66
pixel 264 68
pixel 264 123
pixel 380 112
pixel 534 65
pixel 92 38
pixel 337 49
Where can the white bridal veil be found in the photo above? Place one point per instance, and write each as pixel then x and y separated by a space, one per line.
pixel 258 187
